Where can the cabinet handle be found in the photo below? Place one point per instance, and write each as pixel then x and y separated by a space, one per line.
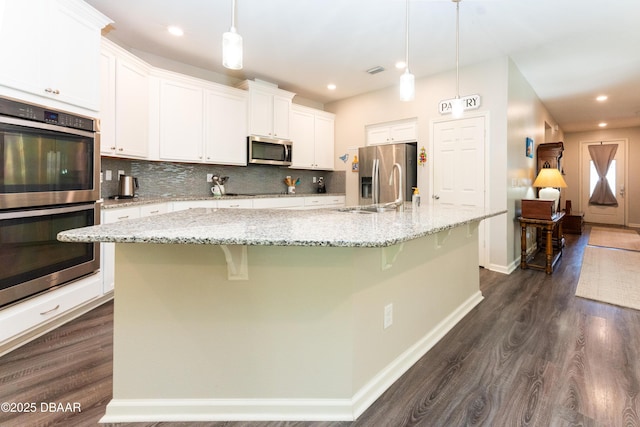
pixel 53 91
pixel 112 148
pixel 154 212
pixel 120 149
pixel 123 217
pixel 44 313
pixel 234 206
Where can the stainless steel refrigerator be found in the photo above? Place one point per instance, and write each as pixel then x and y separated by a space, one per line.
pixel 376 175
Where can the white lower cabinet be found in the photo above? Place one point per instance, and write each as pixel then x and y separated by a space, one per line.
pixel 324 202
pixel 108 250
pixel 235 203
pixel 279 203
pixel 20 319
pixel 191 204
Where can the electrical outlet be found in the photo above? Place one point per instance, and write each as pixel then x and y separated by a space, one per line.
pixel 209 177
pixel 107 175
pixel 388 315
pixel 120 172
pixel 315 179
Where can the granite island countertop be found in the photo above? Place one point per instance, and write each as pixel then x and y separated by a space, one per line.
pixel 275 227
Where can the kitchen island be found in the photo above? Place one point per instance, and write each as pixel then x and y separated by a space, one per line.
pixel 234 314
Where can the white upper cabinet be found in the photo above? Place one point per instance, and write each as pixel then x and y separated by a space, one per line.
pixel 269 110
pixel 198 121
pixel 225 130
pixel 392 132
pixel 312 133
pixel 51 49
pixel 124 104
pixel 181 121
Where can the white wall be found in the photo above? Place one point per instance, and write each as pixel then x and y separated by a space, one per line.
pixel 526 117
pixel 487 79
pixel 514 112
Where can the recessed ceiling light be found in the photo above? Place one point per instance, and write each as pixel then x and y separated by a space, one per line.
pixel 602 125
pixel 331 86
pixel 401 65
pixel 175 31
pixel 602 98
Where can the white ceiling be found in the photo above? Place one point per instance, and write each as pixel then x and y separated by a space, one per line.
pixel 570 51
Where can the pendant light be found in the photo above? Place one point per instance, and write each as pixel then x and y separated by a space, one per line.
pixel 407 80
pixel 457 107
pixel 232 44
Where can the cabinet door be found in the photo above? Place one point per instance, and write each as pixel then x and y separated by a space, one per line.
pixel 302 135
pixel 71 58
pixel 226 128
pixel 378 135
pixel 132 109
pixel 261 114
pixel 324 142
pixel 405 132
pixel 281 116
pixel 20 44
pixel 181 122
pixel 107 103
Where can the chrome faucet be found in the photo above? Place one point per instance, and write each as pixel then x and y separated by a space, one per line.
pixel 398 203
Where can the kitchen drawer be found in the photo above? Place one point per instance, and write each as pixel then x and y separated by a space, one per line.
pixel 240 203
pixel 22 317
pixel 324 201
pixel 155 209
pixel 120 214
pixel 279 203
pixel 191 204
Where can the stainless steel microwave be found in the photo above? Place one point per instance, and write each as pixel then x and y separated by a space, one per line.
pixel 268 151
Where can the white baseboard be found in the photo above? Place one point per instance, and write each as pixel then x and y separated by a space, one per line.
pixel 175 410
pixel 392 372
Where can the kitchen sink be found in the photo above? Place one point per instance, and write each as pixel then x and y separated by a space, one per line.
pixel 367 209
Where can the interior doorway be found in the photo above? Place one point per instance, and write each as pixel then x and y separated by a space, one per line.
pixel 612 175
pixel 458 171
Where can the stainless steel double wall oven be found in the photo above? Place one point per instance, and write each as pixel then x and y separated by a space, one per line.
pixel 49 182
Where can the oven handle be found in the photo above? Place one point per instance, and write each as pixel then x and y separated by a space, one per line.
pixel 47 211
pixel 45 126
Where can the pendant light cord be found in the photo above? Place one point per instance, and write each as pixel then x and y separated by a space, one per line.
pixel 457 48
pixel 233 14
pixel 406 56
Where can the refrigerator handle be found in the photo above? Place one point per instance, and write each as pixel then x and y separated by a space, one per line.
pixel 375 181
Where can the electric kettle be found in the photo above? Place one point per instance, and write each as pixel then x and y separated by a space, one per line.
pixel 127 186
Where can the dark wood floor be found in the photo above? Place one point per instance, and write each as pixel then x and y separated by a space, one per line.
pixel 531 354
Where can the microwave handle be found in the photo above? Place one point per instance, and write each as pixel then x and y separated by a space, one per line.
pixel 286 151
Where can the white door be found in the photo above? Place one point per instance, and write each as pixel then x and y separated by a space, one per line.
pixel 459 166
pixel 616 177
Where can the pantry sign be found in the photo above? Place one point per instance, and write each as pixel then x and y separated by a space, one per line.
pixel 469 102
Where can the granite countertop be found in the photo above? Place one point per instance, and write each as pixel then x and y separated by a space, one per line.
pixel 138 201
pixel 274 227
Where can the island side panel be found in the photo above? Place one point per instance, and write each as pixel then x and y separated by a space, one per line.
pixel 183 330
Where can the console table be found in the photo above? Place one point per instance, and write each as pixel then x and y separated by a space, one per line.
pixel 553 247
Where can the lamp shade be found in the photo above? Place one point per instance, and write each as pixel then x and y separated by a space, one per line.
pixel 550 177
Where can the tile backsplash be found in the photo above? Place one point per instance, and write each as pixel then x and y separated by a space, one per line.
pixel 187 179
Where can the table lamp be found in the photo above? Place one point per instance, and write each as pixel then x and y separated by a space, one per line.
pixel 550 179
